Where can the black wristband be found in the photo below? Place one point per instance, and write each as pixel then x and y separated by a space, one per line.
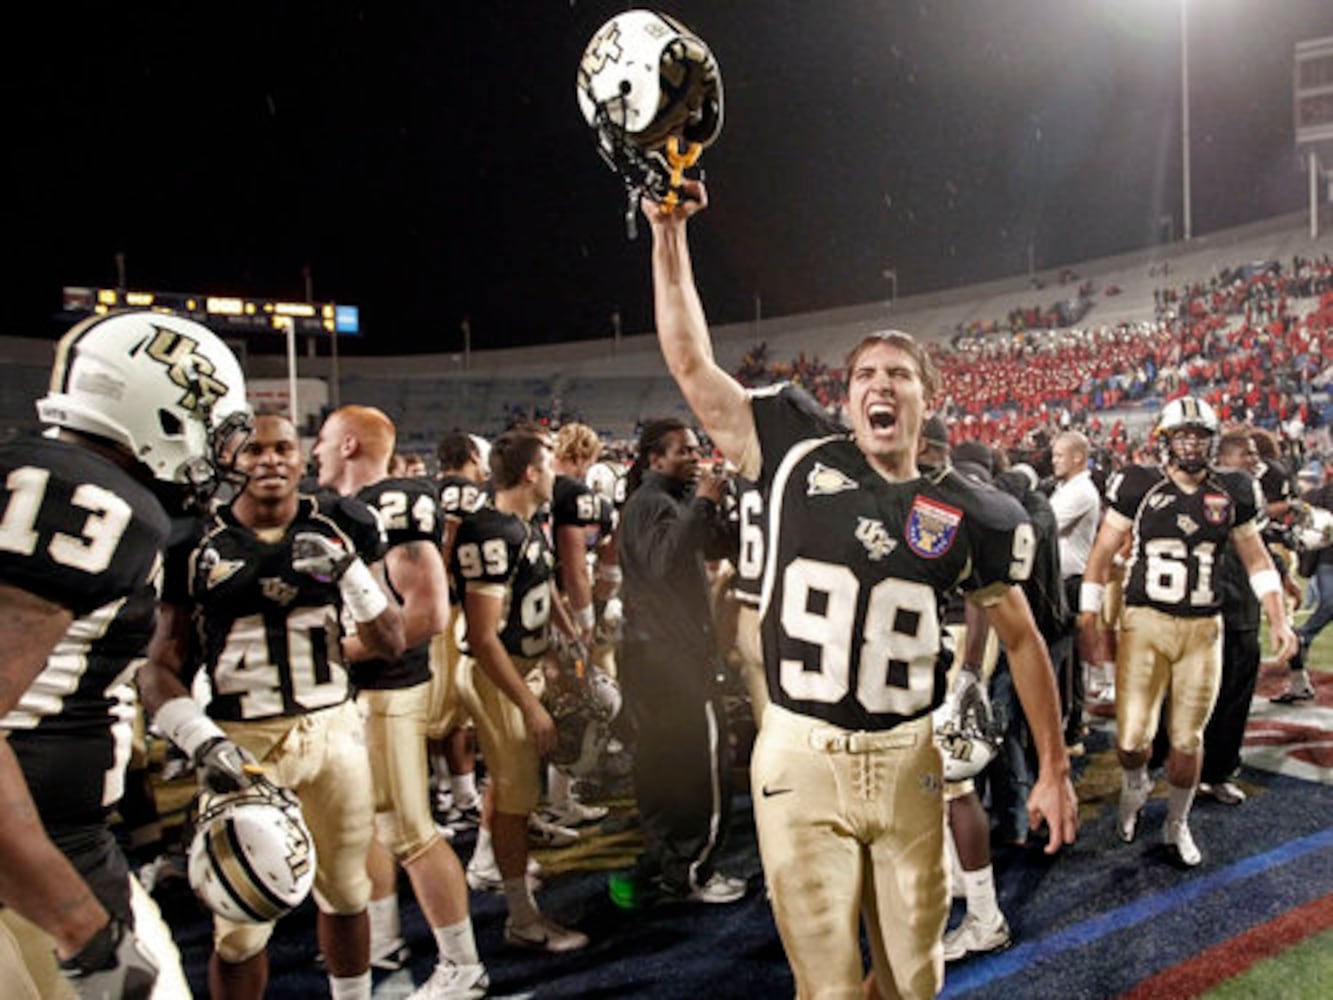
pixel 100 951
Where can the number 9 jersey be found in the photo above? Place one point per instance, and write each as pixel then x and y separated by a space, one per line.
pixel 505 555
pixel 857 565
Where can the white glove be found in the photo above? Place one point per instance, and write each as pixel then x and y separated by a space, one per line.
pixel 321 557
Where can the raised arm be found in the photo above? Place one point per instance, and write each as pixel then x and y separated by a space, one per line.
pixel 718 400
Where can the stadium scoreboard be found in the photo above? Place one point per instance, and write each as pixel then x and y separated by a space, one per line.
pixel 223 313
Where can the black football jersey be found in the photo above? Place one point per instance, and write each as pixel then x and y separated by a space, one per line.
pixel 270 636
pixel 409 510
pixel 749 514
pixel 81 532
pixel 459 497
pixel 1179 534
pixel 492 547
pixel 857 567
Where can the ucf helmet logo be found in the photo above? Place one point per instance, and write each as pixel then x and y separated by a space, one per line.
pixel 189 369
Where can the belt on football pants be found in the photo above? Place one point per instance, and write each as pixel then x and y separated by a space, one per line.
pixel 843 741
pixel 792 729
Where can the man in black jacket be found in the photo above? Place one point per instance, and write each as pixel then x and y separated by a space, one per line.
pixel 671 671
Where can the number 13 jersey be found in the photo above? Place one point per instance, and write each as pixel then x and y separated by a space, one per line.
pixel 856 567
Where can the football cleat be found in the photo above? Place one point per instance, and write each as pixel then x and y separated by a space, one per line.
pixel 542 833
pixel 544 934
pixel 972 937
pixel 454 982
pixel 573 813
pixel 1177 837
pixel 252 858
pixel 1226 792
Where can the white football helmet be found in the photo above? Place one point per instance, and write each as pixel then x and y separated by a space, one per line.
pixel 165 388
pixel 1187 413
pixel 582 711
pixel 252 858
pixel 965 729
pixel 1313 526
pixel 643 78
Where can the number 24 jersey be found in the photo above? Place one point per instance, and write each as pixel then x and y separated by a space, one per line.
pixel 856 566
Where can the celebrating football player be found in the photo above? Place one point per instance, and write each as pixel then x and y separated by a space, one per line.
pixel 846 777
pixel 502 567
pixel 139 402
pixel 352 455
pixel 272 578
pixel 1180 515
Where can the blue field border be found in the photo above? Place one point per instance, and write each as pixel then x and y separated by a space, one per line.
pixel 971 976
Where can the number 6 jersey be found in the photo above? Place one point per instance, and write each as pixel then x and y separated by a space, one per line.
pixel 856 567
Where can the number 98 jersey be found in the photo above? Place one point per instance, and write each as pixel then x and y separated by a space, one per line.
pixel 857 568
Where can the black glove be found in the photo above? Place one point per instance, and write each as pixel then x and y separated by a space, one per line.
pixel 320 556
pixel 222 766
pixel 111 966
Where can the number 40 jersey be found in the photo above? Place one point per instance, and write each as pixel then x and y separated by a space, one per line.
pixel 856 568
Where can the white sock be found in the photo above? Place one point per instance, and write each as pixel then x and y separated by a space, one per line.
pixel 384 922
pixel 464 787
pixel 457 943
pixel 522 907
pixel 1178 802
pixel 483 855
pixel 954 869
pixel 1135 778
pixel 351 988
pixel 980 888
pixel 559 786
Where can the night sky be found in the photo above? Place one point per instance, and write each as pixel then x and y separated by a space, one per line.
pixel 428 161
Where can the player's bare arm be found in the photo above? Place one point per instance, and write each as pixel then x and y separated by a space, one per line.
pixel 1052 797
pixel 380 637
pixel 36 879
pixel 484 613
pixel 716 398
pixel 1110 539
pixel 159 679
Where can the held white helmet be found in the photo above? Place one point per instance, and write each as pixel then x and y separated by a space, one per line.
pixel 1313 526
pixel 1193 414
pixel 252 858
pixel 165 388
pixel 582 708
pixel 643 79
pixel 964 729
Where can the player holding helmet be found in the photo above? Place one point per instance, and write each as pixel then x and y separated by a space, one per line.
pixel 140 407
pixel 266 590
pixel 1181 514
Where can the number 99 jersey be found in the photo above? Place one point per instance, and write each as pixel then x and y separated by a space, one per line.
pixel 504 555
pixel 857 567
pixel 1179 535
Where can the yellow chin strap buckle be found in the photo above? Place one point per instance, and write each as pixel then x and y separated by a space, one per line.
pixel 679 163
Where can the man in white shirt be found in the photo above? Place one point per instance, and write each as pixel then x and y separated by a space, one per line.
pixel 1077 504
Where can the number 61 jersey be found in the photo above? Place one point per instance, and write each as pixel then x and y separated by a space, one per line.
pixel 856 568
pixel 80 532
pixel 1179 535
